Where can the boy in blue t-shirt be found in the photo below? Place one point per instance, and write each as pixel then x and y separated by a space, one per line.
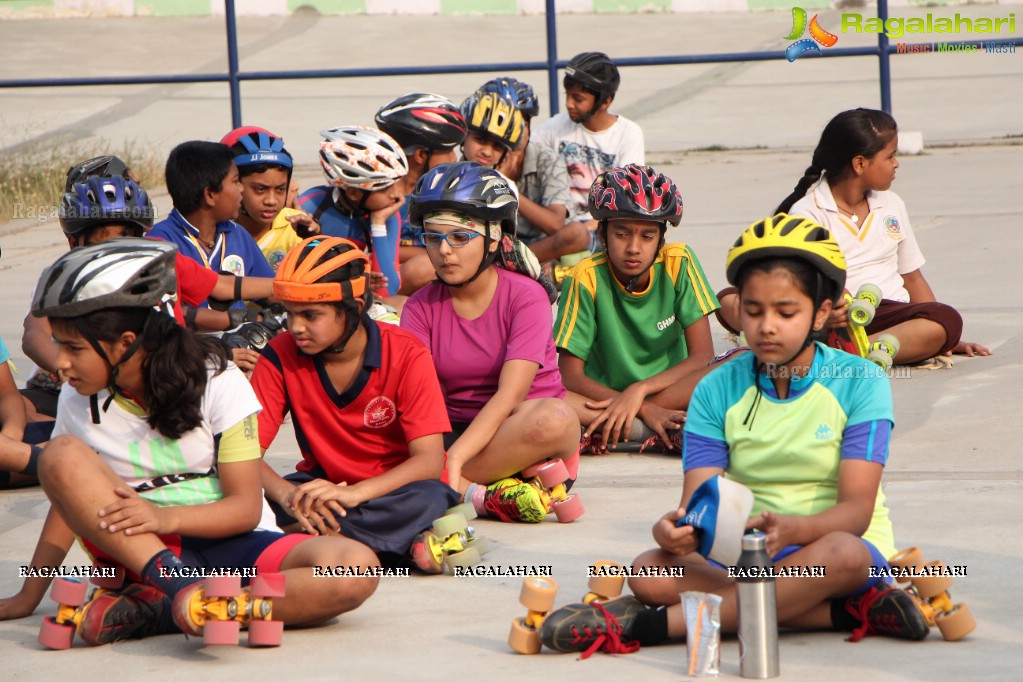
pixel 360 202
pixel 203 183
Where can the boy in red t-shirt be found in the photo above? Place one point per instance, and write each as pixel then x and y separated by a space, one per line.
pixel 367 408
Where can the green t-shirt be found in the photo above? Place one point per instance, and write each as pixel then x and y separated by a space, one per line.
pixel 627 337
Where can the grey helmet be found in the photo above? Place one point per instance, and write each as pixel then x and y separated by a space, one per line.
pixel 119 273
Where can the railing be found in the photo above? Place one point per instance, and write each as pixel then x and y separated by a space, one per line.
pixel 234 76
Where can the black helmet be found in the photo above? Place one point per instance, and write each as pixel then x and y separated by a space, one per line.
pixel 594 71
pixel 422 119
pixel 102 166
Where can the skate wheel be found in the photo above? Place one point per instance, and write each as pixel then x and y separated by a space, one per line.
pixel 861 312
pixel 449 525
pixel 54 635
pixel 113 583
pixel 266 632
pixel 538 593
pixel 881 359
pixel 907 557
pixel 870 293
pixel 465 509
pixel 222 586
pixel 268 585
pixel 931 586
pixel 226 632
pixel 69 591
pixel 552 473
pixel 523 639
pixel 606 586
pixel 957 623
pixel 479 544
pixel 892 342
pixel 569 509
pixel 531 471
pixel 467 558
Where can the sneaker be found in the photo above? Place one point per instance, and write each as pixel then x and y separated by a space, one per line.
pixel 512 500
pixel 655 443
pixel 592 445
pixel 604 626
pixel 133 612
pixel 886 611
pixel 422 556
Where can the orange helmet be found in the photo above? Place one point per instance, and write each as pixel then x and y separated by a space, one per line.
pixel 299 275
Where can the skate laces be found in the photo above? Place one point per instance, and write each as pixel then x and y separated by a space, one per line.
pixel 871 625
pixel 513 500
pixel 607 639
pixel 674 442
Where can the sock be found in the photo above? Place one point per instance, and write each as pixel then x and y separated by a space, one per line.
pixel 651 626
pixel 475 493
pixel 169 579
pixel 841 619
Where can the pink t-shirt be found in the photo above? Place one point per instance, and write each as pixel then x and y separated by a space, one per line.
pixel 469 354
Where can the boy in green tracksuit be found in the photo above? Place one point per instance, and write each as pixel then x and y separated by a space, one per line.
pixel 632 329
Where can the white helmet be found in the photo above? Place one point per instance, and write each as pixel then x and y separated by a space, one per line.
pixel 361 157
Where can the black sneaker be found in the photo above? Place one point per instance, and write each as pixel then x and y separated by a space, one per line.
pixel 886 611
pixel 133 612
pixel 595 626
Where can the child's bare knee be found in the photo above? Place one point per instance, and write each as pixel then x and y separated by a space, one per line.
pixel 59 462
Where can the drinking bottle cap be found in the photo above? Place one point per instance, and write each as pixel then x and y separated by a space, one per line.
pixel 754 541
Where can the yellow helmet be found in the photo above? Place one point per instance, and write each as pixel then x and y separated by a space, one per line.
pixel 788 236
pixel 495 116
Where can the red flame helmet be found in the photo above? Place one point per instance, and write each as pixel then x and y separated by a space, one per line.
pixel 635 192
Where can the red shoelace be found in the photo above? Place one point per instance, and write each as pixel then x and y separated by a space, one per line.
pixel 608 639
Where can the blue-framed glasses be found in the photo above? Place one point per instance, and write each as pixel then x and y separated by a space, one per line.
pixel 455 240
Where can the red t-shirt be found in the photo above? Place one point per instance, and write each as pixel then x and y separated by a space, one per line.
pixel 366 430
pixel 195 284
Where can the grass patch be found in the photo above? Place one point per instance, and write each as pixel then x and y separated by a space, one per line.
pixel 32 177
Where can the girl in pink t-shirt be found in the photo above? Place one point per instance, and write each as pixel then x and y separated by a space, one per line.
pixel 490 332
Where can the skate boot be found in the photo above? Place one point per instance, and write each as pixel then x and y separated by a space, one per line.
pixel 604 626
pixel 106 616
pixel 886 611
pixel 451 542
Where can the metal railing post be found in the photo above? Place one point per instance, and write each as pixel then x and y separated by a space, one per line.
pixel 552 57
pixel 232 64
pixel 883 62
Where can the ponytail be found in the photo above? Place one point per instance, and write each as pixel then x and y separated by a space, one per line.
pixel 175 372
pixel 810 176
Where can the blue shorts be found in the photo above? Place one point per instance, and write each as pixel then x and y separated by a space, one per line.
pixel 880 564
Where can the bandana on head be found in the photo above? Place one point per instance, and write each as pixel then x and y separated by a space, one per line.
pixel 463 222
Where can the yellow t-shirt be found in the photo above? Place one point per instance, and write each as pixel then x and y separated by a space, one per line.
pixel 280 239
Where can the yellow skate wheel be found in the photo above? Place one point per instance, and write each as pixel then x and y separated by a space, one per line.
pixel 890 342
pixel 538 593
pixel 957 623
pixel 870 293
pixel 931 586
pixel 449 525
pixel 467 558
pixel 606 586
pixel 881 359
pixel 861 312
pixel 522 638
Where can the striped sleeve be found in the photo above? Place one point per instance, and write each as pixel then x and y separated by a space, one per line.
pixel 868 441
pixel 694 297
pixel 576 326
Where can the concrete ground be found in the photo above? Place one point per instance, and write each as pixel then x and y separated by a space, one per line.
pixel 953 482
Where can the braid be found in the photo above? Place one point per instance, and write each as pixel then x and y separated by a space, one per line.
pixel 811 175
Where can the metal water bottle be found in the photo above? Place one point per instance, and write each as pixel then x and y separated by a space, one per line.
pixel 758 614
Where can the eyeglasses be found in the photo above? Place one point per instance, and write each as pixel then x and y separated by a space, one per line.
pixel 455 240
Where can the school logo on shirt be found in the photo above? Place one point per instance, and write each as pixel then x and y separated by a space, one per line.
pixel 380 412
pixel 274 258
pixel 233 264
pixel 892 228
pixel 824 432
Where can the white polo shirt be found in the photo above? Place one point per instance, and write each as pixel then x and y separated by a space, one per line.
pixel 878 252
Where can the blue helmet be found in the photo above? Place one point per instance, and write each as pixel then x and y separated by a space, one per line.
pixel 466 187
pixel 99 201
pixel 257 146
pixel 521 93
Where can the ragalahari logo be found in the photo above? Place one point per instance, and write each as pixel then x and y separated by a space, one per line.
pixel 807 46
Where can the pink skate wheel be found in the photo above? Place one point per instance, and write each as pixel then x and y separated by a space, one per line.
pixel 69 591
pixel 532 471
pixel 553 473
pixel 223 586
pixel 221 632
pixel 268 585
pixel 54 635
pixel 569 509
pixel 266 632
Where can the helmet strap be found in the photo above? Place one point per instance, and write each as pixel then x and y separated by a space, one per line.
pixel 488 259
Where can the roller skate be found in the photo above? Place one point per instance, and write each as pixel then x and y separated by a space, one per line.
pixel 886 611
pixel 451 542
pixel 537 595
pixel 217 607
pixel 862 307
pixel 928 585
pixel 531 500
pixel 606 583
pixel 595 626
pixel 883 351
pixel 551 478
pixel 105 616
